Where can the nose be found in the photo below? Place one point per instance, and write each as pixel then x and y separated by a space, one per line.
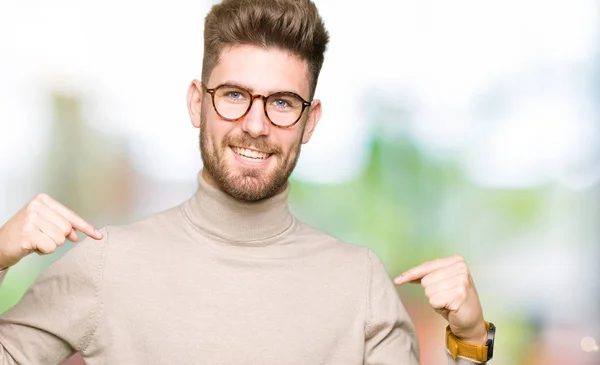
pixel 255 122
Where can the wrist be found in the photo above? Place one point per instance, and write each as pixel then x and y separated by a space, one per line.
pixel 472 350
pixel 478 337
pixel 4 263
pixel 3 259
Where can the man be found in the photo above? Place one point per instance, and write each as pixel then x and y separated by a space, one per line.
pixel 230 276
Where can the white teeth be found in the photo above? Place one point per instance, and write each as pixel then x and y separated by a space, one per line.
pixel 250 153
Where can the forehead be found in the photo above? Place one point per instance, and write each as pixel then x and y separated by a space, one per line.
pixel 262 70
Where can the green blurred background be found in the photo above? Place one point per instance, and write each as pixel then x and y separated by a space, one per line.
pixel 464 127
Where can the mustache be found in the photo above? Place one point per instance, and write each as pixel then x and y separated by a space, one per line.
pixel 245 140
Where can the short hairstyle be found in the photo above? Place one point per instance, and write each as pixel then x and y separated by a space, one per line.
pixel 291 25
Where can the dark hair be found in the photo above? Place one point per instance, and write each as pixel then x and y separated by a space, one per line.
pixel 291 25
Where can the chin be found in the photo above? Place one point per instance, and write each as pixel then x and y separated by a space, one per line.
pixel 243 183
pixel 247 180
pixel 249 189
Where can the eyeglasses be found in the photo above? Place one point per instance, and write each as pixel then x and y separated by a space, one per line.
pixel 282 109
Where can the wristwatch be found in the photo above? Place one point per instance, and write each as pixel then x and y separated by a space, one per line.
pixel 476 352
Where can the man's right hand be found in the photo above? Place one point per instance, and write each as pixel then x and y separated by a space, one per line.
pixel 40 226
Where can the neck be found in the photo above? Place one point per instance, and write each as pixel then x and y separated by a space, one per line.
pixel 248 223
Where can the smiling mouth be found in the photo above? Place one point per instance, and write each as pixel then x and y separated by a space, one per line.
pixel 249 153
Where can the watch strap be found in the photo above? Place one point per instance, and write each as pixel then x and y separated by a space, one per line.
pixel 465 349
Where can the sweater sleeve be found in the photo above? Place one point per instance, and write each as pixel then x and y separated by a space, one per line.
pixel 58 314
pixel 390 336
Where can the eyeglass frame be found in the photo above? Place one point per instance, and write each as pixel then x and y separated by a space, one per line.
pixel 212 93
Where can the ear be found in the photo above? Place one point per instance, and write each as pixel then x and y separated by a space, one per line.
pixel 194 102
pixel 314 115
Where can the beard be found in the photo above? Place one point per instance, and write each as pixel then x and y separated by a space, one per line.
pixel 249 184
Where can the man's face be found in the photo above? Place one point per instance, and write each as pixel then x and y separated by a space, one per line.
pixel 251 159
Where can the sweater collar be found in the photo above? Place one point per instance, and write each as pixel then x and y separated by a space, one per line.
pixel 219 215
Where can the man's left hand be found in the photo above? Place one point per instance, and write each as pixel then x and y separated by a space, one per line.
pixel 451 292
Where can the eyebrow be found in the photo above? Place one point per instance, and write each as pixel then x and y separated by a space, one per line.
pixel 249 88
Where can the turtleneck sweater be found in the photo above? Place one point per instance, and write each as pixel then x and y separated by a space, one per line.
pixel 213 281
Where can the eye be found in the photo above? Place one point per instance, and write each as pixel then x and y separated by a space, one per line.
pixel 280 103
pixel 283 102
pixel 231 94
pixel 234 94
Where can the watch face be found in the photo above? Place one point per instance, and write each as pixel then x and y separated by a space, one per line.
pixel 490 341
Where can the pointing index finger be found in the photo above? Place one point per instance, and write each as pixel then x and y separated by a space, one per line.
pixel 75 220
pixel 416 273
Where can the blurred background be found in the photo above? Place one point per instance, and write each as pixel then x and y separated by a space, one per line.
pixel 465 127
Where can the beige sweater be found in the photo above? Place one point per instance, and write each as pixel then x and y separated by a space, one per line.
pixel 213 281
